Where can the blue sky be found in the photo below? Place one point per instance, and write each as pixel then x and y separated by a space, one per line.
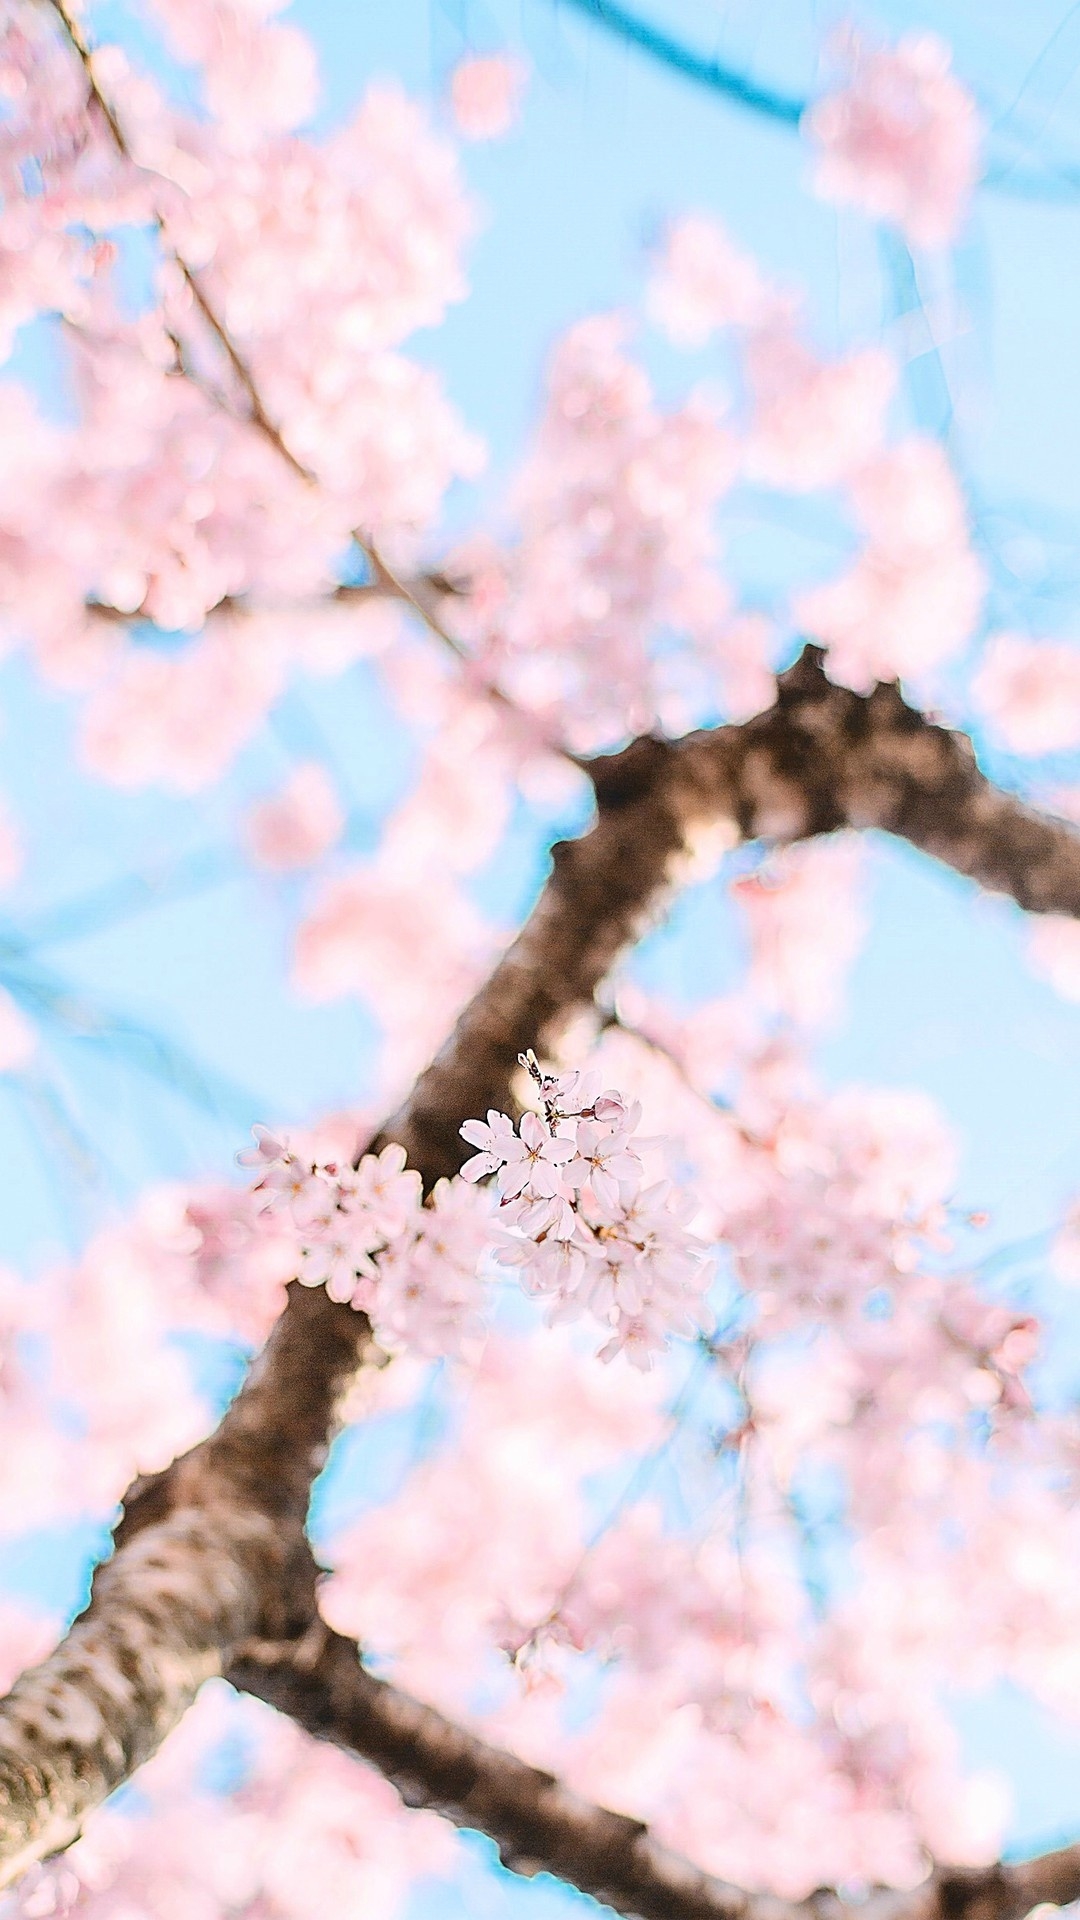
pixel 610 145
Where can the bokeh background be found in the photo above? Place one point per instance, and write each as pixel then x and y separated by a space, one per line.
pixel 156 961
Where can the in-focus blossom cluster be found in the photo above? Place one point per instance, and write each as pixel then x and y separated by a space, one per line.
pixel 575 1218
pixel 365 1234
pixel 512 1562
pixel 588 1232
pixel 899 138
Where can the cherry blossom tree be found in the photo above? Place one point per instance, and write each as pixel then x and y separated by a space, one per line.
pixel 726 1459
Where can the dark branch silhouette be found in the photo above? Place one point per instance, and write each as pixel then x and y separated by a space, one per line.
pixel 738 87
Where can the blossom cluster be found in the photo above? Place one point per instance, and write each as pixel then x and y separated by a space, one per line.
pixel 365 1233
pixel 1028 692
pixel 575 1217
pixel 156 501
pixel 898 137
pixel 617 554
pixel 912 597
pixel 586 1230
pixel 616 505
pixel 704 1662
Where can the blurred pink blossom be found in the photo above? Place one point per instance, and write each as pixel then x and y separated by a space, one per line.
pixel 485 95
pixel 702 281
pixel 1029 692
pixel 914 592
pixel 296 826
pixel 899 138
pixel 806 925
pixel 1053 945
pixel 814 423
pixel 259 77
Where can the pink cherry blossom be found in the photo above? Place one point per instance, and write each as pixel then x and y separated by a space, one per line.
pixel 497 1140
pixel 298 825
pixel 533 1161
pixel 802 949
pixel 489 1527
pixel 259 77
pixel 814 423
pixel 583 1229
pixel 702 281
pixel 430 1297
pixel 363 1233
pixel 414 951
pixel 1029 692
pixel 385 1190
pixel 485 95
pixel 1053 946
pixel 179 721
pixel 302 1828
pixel 616 539
pixel 913 595
pixel 604 1160
pixel 729 1569
pixel 899 138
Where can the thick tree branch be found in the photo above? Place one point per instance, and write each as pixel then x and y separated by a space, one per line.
pixel 824 757
pixel 207 1553
pixel 213 1553
pixel 539 1826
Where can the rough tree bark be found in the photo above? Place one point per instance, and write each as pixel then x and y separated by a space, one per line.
pixel 211 1570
